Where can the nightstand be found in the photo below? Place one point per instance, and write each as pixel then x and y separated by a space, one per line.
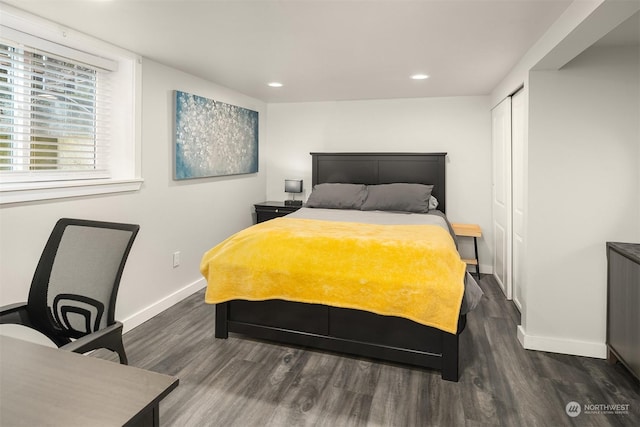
pixel 269 210
pixel 470 230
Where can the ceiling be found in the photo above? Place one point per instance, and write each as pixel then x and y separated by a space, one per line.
pixel 625 34
pixel 320 50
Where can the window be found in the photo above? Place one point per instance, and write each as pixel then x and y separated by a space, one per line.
pixel 69 112
pixel 54 122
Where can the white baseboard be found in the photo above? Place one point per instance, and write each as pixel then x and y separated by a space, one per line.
pixel 562 346
pixel 159 306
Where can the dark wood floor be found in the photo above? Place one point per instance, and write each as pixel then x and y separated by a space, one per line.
pixel 242 382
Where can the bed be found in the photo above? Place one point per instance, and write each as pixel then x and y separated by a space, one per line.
pixel 354 331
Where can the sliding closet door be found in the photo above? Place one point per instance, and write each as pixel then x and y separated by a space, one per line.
pixel 501 141
pixel 518 163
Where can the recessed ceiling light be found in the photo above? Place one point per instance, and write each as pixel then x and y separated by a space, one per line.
pixel 275 84
pixel 419 76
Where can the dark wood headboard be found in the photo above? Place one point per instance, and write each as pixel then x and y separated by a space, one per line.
pixel 382 168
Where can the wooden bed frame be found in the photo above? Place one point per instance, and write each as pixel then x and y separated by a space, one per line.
pixel 350 331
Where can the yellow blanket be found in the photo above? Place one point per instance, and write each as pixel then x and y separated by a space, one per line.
pixel 410 271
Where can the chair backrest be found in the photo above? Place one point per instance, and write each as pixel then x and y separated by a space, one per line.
pixel 75 285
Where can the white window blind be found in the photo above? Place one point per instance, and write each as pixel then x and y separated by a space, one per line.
pixel 55 110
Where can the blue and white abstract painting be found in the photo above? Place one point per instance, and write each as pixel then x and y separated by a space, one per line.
pixel 214 138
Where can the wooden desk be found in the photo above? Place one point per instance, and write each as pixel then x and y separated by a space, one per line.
pixel 470 230
pixel 46 386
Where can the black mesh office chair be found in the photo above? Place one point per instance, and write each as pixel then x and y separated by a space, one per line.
pixel 74 288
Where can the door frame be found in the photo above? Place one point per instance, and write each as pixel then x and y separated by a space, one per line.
pixel 501 194
pixel 518 191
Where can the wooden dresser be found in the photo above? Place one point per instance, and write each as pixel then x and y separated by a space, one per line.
pixel 623 305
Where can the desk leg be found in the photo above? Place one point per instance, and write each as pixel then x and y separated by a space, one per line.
pixel 156 416
pixel 148 418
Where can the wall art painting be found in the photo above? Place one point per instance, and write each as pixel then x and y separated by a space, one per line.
pixel 214 138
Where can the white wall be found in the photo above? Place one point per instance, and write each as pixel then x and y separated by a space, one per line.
pixel 186 216
pixel 551 320
pixel 566 24
pixel 584 144
pixel 460 126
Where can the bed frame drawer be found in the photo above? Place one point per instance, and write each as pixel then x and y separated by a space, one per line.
pixel 385 330
pixel 311 318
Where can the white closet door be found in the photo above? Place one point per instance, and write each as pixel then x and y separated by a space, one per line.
pixel 501 142
pixel 518 148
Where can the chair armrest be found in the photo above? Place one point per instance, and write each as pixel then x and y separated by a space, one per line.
pixel 95 340
pixel 13 307
pixel 15 313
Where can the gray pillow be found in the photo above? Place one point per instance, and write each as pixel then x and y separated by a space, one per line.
pixel 337 196
pixel 398 197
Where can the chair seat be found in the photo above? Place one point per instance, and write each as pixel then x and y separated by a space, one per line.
pixel 25 333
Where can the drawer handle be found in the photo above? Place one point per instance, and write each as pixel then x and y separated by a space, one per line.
pixel 277 211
